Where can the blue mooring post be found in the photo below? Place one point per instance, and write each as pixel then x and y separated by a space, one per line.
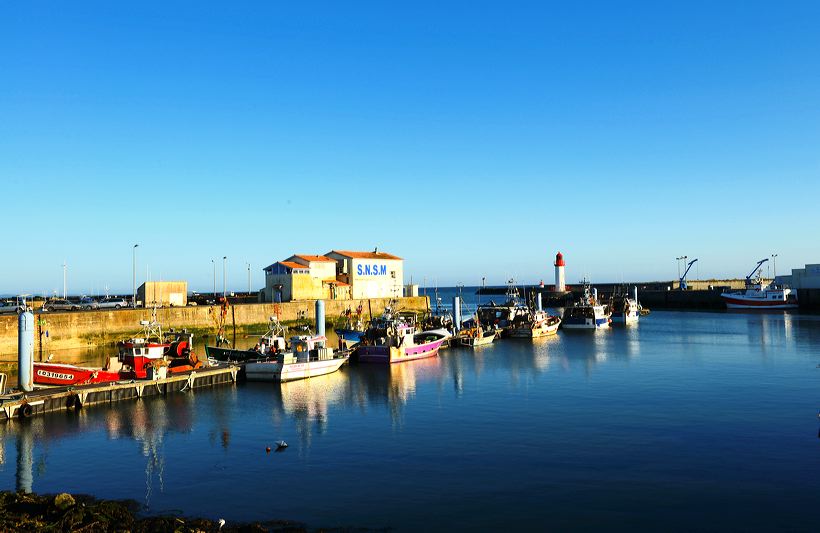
pixel 25 351
pixel 538 304
pixel 456 313
pixel 320 318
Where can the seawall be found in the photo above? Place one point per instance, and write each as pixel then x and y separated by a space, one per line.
pixel 86 329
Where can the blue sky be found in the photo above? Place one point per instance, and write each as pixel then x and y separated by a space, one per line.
pixel 471 138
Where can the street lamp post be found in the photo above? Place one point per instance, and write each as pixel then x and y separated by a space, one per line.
pixel 64 280
pixel 774 264
pixel 249 279
pixel 224 276
pixel 134 275
pixel 213 264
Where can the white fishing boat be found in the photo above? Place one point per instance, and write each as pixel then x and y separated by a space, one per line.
pixel 626 310
pixel 588 313
pixel 534 324
pixel 477 336
pixel 309 357
pixel 760 294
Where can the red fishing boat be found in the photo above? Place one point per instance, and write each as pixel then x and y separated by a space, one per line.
pixel 148 355
pixel 153 351
pixel 62 374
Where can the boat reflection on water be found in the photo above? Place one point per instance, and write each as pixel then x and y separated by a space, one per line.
pixel 308 402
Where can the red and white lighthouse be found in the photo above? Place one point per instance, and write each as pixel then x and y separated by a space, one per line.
pixel 560 283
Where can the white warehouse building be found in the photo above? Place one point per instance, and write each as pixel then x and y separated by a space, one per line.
pixel 370 274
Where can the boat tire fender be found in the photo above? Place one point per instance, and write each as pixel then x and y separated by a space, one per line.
pixel 25 411
pixel 73 402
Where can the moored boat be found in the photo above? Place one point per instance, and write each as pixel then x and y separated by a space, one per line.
pixel 269 344
pixel 309 357
pixel 625 310
pixel 587 313
pixel 394 340
pixel 57 374
pixel 533 325
pixel 352 328
pixel 153 352
pixel 477 336
pixel 759 294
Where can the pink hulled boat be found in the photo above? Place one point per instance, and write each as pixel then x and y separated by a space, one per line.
pixel 394 340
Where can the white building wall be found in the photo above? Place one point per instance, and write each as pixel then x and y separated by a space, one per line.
pixel 376 278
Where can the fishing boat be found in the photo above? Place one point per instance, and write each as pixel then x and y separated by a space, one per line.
pixel 533 325
pixel 59 374
pixel 760 294
pixel 150 354
pixel 394 340
pixel 587 313
pixel 352 328
pixel 153 353
pixel 269 344
pixel 625 310
pixel 477 336
pixel 503 316
pixel 308 357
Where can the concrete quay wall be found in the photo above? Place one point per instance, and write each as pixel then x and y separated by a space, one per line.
pixel 702 299
pixel 79 329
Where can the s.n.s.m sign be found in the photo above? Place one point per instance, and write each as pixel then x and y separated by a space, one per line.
pixel 371 270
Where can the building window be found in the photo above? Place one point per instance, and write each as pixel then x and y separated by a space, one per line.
pixel 393 274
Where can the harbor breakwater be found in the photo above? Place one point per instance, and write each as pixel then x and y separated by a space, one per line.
pixel 86 329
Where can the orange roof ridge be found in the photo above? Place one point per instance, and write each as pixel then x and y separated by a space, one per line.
pixel 308 257
pixel 364 255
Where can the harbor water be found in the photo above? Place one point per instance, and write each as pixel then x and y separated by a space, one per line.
pixel 687 421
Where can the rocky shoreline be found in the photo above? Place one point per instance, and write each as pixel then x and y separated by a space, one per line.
pixel 23 512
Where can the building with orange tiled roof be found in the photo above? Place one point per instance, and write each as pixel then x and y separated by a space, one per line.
pixel 337 275
pixel 304 277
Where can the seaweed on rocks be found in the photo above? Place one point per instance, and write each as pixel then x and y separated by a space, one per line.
pixel 24 512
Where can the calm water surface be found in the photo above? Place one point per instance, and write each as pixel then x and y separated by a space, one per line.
pixel 687 421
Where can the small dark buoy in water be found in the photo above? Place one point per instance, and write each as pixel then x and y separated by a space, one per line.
pixel 281 445
pixel 267 449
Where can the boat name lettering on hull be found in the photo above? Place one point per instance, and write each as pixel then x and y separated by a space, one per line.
pixel 55 375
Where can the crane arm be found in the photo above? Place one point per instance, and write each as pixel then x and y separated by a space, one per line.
pixel 689 266
pixel 752 273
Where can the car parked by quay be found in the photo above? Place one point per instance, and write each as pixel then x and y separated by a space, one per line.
pixel 9 307
pixel 59 304
pixel 113 303
pixel 88 303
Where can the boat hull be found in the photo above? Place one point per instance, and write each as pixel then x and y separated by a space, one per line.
pixel 534 332
pixel 59 374
pixel 629 318
pixel 736 302
pixel 474 342
pixel 392 354
pixel 349 334
pixel 588 323
pixel 277 372
pixel 227 355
